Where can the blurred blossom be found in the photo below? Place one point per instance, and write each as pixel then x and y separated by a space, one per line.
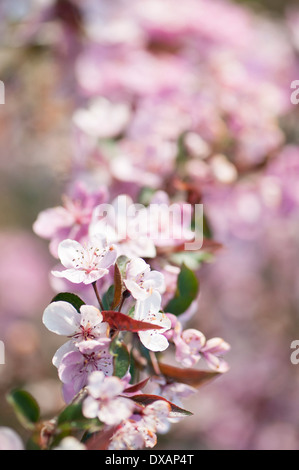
pixel 9 440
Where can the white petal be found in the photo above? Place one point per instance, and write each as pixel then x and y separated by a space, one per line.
pixel 73 275
pixel 68 251
pixel 153 341
pixel 151 305
pixel 155 280
pixel 61 318
pixel 95 382
pixel 67 347
pixel 90 408
pixel 90 315
pixel 135 267
pixel 137 292
pixel 115 411
pixel 94 276
pixel 109 258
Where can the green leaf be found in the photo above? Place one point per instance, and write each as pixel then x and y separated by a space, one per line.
pixel 187 290
pixel 108 298
pixel 25 407
pixel 122 262
pixel 72 299
pixel 70 413
pixel 121 358
pixel 73 418
pixel 193 260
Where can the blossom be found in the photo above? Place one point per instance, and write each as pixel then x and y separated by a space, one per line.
pixel 70 443
pixel 212 352
pixel 141 281
pixel 191 345
pixel 70 220
pixel 148 311
pixel 85 264
pixel 103 119
pixel 10 440
pixel 76 366
pixel 125 225
pixel 63 319
pixel 173 392
pixel 155 418
pixel 127 437
pixel 104 401
pixel 140 430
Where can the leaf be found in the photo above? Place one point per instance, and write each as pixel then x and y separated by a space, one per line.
pixel 25 407
pixel 70 413
pixel 101 440
pixel 187 290
pixel 191 259
pixel 192 377
pixel 145 400
pixel 121 322
pixel 118 287
pixel 122 262
pixel 72 299
pixel 73 418
pixel 121 358
pixel 108 298
pixel 137 387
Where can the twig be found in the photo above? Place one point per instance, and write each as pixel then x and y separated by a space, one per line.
pixel 94 285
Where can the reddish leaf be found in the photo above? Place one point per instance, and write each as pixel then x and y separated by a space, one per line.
pixel 118 287
pixel 192 377
pixel 149 399
pixel 137 387
pixel 101 440
pixel 121 322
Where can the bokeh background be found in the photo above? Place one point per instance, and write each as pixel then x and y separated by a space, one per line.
pixel 56 57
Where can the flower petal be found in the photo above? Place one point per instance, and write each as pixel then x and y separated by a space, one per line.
pixel 61 318
pixel 69 251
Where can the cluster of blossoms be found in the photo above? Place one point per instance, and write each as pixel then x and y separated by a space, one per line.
pixel 113 350
pixel 88 361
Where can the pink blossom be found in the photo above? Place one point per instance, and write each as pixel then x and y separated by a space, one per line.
pixel 125 225
pixel 63 319
pixel 213 351
pixel 127 437
pixel 173 392
pixel 149 311
pixel 104 401
pixel 155 419
pixel 70 220
pixel 85 264
pixel 141 281
pixel 76 366
pixel 191 345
